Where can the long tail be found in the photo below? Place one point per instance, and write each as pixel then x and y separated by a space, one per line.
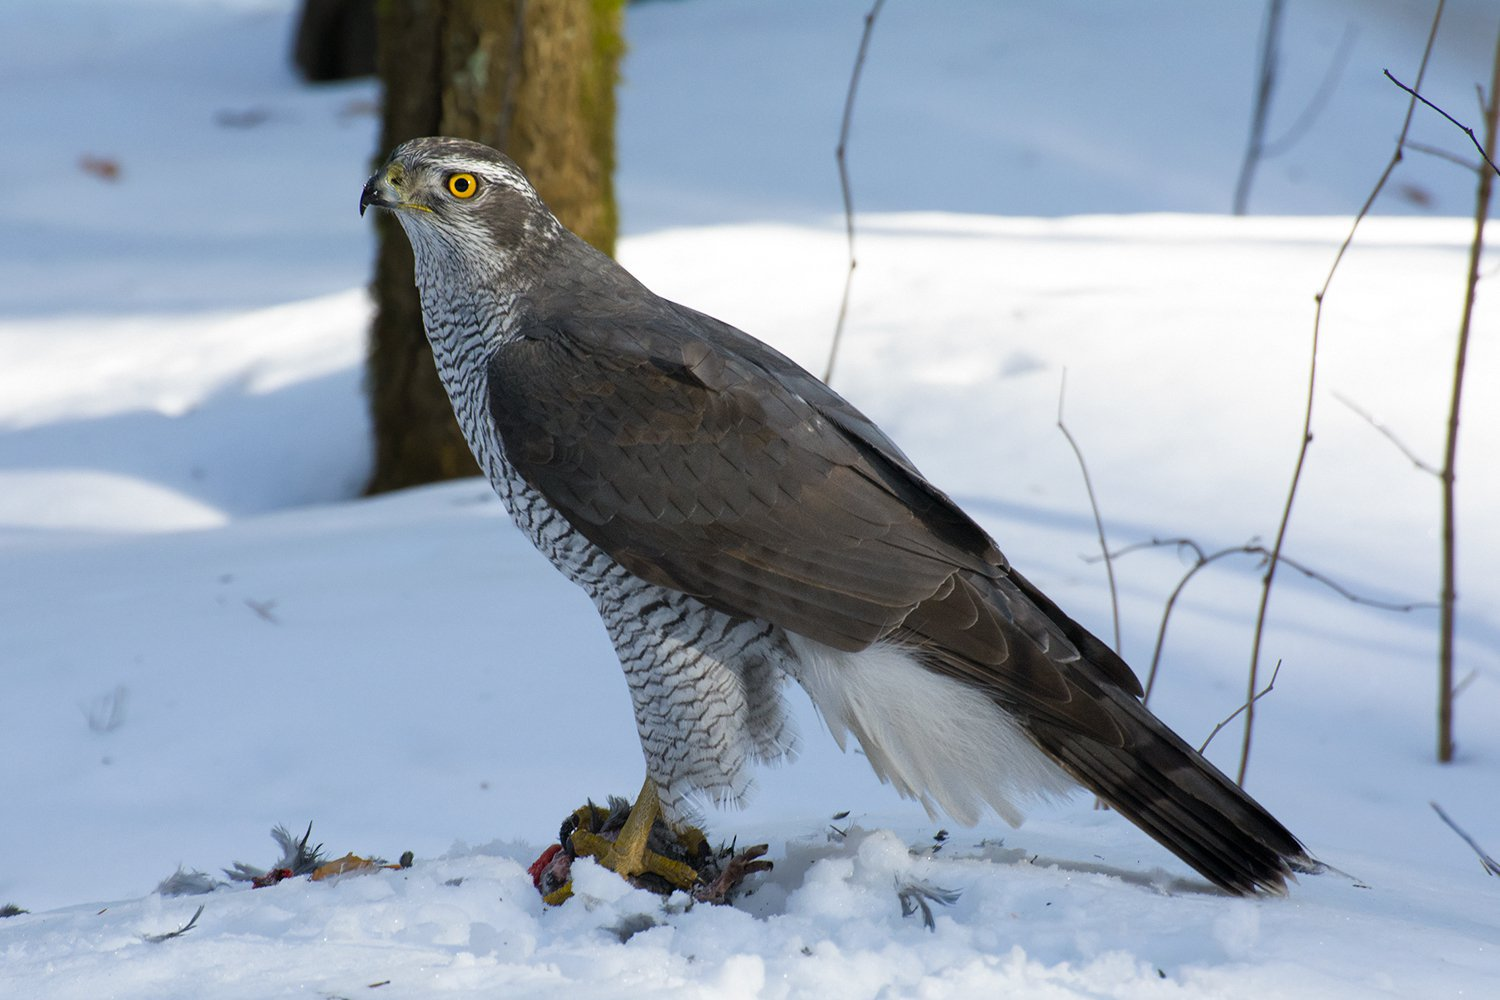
pixel 1080 704
pixel 1173 793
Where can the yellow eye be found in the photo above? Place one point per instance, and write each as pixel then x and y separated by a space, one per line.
pixel 462 185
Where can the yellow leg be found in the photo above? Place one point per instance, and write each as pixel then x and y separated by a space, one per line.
pixel 628 854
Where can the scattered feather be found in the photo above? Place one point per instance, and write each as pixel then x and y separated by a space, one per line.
pixel 184 882
pixel 192 922
pixel 916 895
pixel 348 863
pixel 296 859
pixel 632 924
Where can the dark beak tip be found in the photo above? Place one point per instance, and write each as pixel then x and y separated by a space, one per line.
pixel 369 196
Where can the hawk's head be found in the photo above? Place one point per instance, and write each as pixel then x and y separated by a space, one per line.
pixel 456 195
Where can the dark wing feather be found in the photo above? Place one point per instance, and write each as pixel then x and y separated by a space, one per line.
pixel 699 470
pixel 704 461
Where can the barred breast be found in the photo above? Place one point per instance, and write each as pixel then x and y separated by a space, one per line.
pixel 706 688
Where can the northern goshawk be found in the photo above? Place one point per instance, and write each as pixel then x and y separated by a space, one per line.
pixel 737 522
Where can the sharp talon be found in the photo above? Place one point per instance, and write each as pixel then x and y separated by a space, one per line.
pixel 683 876
pixel 588 844
pixel 628 854
pixel 624 847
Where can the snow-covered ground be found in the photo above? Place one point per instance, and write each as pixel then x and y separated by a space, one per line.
pixel 204 632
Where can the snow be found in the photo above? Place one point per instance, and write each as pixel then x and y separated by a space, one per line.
pixel 204 631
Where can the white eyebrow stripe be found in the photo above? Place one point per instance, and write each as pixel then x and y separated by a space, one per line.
pixel 488 171
pixel 459 162
pixel 484 168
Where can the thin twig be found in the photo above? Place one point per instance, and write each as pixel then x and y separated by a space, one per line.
pixel 1158 543
pixel 1344 592
pixel 1243 708
pixel 1463 685
pixel 1088 485
pixel 1490 864
pixel 1255 548
pixel 1461 126
pixel 1166 615
pixel 1449 593
pixel 1389 435
pixel 1442 154
pixel 1202 559
pixel 1312 380
pixel 839 155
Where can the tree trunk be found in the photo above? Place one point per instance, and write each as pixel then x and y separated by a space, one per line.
pixel 535 80
pixel 335 40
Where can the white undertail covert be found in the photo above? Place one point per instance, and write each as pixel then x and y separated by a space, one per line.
pixel 932 738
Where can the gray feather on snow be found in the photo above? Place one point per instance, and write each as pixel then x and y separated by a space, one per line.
pixel 187 882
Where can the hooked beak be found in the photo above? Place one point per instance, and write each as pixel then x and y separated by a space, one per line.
pixel 387 190
pixel 374 193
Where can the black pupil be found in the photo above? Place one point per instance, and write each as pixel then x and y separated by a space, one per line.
pixel 461 185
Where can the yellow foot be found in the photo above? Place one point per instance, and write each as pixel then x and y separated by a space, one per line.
pixel 628 854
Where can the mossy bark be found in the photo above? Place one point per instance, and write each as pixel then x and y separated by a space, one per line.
pixel 536 80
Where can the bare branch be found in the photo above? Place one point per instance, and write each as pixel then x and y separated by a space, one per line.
pixel 1088 485
pixel 839 155
pixel 1442 154
pixel 1155 543
pixel 1255 548
pixel 1460 125
pixel 1346 593
pixel 1490 865
pixel 1449 591
pixel 1243 708
pixel 1312 380
pixel 1166 615
pixel 1463 685
pixel 1202 559
pixel 1389 435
